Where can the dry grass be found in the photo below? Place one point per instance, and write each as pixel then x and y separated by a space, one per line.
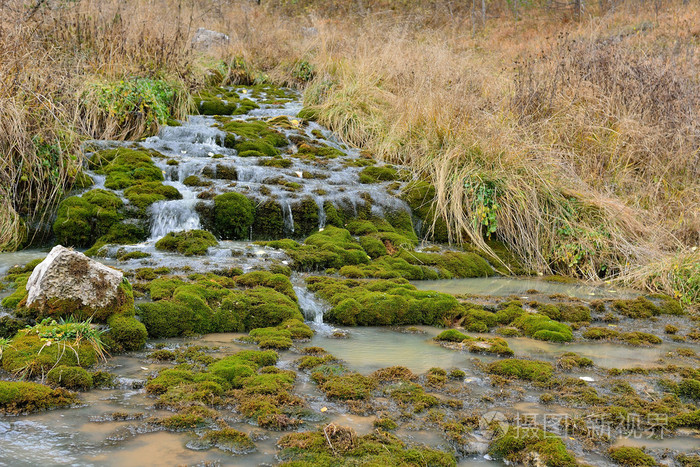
pixel 577 140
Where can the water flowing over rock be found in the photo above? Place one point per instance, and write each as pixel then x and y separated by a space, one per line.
pixel 70 276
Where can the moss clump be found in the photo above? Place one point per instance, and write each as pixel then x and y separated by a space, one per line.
pixel 145 194
pixel 70 377
pixel 230 440
pixel 269 221
pixel 331 248
pixel 20 293
pixel 689 388
pixel 9 326
pixel 543 328
pixel 28 355
pixel 18 397
pixel 376 174
pixel 253 136
pixel 125 167
pixel 305 215
pixel 382 302
pixel 414 395
pixel 279 282
pixel 194 180
pixel 452 335
pixel 640 307
pixel 569 360
pixel 631 456
pixel 334 444
pixel 632 338
pixel 82 220
pixel 233 216
pixel 269 307
pixel 516 445
pixel 188 243
pixel 351 386
pixel 126 333
pixel 529 370
pixel 220 101
pixel 374 247
pixel 420 196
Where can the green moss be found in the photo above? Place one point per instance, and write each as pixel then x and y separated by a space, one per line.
pixel 230 315
pixel 9 326
pixel 640 307
pixel 145 194
pixel 632 338
pixel 20 292
pixel 28 355
pixel 331 248
pixel 233 216
pixel 126 333
pixel 382 302
pixel 81 220
pixel 452 335
pixel 230 440
pixel 529 370
pixel 413 394
pixel 630 456
pixel 373 246
pixel 570 360
pixel 378 174
pixel 125 167
pixel 22 397
pixel 279 282
pixel 689 388
pixel 305 215
pixel 269 308
pixel 188 243
pixel 420 197
pixel 175 318
pixel 516 445
pixel 194 180
pixel 351 386
pixel 70 377
pixel 341 446
pixel 543 328
pixel 253 136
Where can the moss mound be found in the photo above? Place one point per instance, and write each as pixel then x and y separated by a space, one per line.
pixel 70 377
pixel 382 302
pixel 126 333
pixel 516 445
pixel 336 445
pixel 18 397
pixel 23 355
pixel 631 456
pixel 233 216
pixel 188 243
pixel 529 370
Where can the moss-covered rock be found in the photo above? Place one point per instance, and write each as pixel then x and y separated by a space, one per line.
pixel 375 174
pixel 31 356
pixel 517 445
pixel 382 302
pixel 126 333
pixel 631 456
pixel 543 328
pixel 529 370
pixel 233 216
pixel 269 221
pixel 420 196
pixel 70 377
pixel 253 136
pixel 188 243
pixel 18 397
pixel 82 220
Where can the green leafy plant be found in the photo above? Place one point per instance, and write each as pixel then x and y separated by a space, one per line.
pixel 67 334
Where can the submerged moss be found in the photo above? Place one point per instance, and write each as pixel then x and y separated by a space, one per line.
pixel 335 445
pixel 530 370
pixel 516 445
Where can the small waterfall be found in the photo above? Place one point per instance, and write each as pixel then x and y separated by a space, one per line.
pixel 173 216
pixel 288 216
pixel 321 214
pixel 312 309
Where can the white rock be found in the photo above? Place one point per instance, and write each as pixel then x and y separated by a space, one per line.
pixel 69 275
pixel 204 39
pixel 587 379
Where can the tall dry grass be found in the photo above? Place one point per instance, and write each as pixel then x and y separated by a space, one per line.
pixel 576 139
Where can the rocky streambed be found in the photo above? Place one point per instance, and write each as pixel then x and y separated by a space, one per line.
pixel 284 299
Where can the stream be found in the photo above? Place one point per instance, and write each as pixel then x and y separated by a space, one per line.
pixel 88 435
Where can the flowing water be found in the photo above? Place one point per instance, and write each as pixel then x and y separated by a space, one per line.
pixel 88 435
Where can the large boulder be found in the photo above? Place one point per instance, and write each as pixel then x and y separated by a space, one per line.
pixel 205 39
pixel 68 283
